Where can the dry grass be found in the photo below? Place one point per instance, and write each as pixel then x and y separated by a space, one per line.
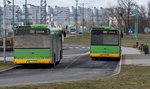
pixel 6 65
pixel 131 77
pixel 129 40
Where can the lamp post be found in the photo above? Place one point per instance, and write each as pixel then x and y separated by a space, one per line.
pixel 25 21
pixel 13 17
pixel 0 20
pixel 76 19
pixel 92 18
pixel 82 21
pixel 36 15
pixel 4 32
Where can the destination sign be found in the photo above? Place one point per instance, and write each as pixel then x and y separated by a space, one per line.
pixel 32 31
pixel 113 32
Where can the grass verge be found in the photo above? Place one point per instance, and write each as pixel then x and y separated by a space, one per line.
pixel 131 77
pixel 6 65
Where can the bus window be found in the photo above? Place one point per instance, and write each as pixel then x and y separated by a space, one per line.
pixel 104 37
pixel 32 38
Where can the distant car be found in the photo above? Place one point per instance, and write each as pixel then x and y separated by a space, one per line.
pixel 72 31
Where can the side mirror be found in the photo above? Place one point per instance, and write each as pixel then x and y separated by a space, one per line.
pixel 64 33
pixel 121 35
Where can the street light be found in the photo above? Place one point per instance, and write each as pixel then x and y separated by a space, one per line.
pixel 76 19
pixel 25 21
pixel 4 32
pixel 0 19
pixel 92 17
pixel 4 29
pixel 83 21
pixel 13 17
pixel 37 14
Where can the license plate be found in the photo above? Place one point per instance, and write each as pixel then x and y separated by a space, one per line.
pixel 32 61
pixel 104 55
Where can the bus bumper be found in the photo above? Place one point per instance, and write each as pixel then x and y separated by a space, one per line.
pixel 105 55
pixel 32 61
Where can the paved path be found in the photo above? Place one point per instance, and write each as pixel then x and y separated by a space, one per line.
pixel 129 51
pixel 132 56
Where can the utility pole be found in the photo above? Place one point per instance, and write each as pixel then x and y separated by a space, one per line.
pixel 13 17
pixel 69 18
pixel 43 11
pixel 76 19
pixel 128 15
pixel 0 20
pixel 136 22
pixel 92 18
pixel 25 21
pixel 36 14
pixel 83 21
pixel 4 32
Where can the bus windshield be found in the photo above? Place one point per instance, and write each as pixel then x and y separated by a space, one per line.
pixel 104 37
pixel 32 38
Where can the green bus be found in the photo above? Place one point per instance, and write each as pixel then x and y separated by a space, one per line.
pixel 37 44
pixel 105 43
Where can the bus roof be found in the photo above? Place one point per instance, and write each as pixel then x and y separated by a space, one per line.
pixel 33 25
pixel 102 28
pixel 40 25
pixel 54 30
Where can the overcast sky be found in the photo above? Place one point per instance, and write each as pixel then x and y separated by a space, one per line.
pixel 97 3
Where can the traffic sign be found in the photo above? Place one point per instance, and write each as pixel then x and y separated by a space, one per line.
pixel 130 31
pixel 147 30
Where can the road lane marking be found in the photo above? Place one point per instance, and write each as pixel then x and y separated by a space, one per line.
pixel 75 56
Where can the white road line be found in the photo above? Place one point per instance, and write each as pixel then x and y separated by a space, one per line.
pixel 77 47
pixel 83 47
pixel 70 47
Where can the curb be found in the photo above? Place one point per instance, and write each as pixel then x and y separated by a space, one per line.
pixel 118 69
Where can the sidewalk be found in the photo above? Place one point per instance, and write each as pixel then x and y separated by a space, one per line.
pixel 128 51
pixel 132 56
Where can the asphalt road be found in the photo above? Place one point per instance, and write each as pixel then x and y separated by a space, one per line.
pixel 76 65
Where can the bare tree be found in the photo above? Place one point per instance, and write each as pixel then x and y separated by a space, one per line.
pixel 149 12
pixel 125 11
